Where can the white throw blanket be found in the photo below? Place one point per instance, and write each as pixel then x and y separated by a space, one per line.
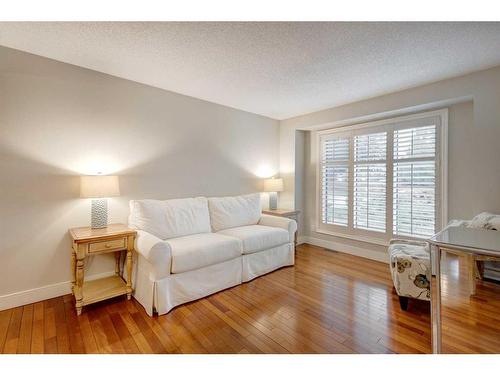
pixel 485 220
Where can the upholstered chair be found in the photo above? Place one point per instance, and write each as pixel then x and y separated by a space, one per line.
pixel 410 265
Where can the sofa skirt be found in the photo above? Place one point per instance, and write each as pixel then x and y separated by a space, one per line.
pixel 258 264
pixel 176 289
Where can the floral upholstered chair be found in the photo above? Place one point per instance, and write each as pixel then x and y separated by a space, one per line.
pixel 410 264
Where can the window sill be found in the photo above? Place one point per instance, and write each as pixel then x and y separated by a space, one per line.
pixel 354 237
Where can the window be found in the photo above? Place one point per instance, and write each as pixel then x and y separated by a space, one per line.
pixel 383 179
pixel 335 175
pixel 414 181
pixel 370 173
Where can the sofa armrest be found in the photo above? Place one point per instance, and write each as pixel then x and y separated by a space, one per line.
pixel 280 222
pixel 156 251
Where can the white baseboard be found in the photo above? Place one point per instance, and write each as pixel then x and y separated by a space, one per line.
pixel 301 240
pixel 343 248
pixel 25 297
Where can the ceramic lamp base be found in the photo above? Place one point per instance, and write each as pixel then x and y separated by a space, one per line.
pixel 273 201
pixel 99 213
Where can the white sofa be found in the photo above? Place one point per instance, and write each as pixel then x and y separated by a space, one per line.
pixel 190 248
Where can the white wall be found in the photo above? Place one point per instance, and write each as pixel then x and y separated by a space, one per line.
pixel 474 147
pixel 58 121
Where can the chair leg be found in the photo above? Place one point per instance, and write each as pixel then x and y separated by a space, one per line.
pixel 403 302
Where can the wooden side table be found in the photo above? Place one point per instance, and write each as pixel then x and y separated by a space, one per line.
pixel 88 242
pixel 290 214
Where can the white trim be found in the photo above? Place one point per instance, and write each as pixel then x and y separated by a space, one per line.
pixel 414 116
pixel 367 239
pixel 378 256
pixel 25 297
pixel 301 240
pixel 389 114
pixel 443 160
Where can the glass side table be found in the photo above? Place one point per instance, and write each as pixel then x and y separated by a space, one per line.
pixel 463 240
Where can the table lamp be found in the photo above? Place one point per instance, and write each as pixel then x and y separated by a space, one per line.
pixel 99 188
pixel 273 186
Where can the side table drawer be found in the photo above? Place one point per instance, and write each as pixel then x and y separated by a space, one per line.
pixel 120 243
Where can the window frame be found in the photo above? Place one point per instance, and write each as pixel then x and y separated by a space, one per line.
pixel 389 125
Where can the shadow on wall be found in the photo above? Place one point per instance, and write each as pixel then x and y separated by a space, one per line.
pixel 39 202
pixel 185 172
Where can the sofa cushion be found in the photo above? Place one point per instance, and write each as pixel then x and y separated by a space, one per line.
pixel 202 250
pixel 230 212
pixel 170 218
pixel 258 237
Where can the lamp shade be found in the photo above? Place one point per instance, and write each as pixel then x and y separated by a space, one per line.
pixel 99 186
pixel 273 185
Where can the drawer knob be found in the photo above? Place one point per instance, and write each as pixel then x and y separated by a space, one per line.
pixel 107 245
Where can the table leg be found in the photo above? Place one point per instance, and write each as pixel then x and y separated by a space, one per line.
pixel 479 269
pixel 117 262
pixel 471 270
pixel 436 301
pixel 80 261
pixel 73 271
pixel 129 274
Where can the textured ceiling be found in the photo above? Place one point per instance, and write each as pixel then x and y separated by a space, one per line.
pixel 274 69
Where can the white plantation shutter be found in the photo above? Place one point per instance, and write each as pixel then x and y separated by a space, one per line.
pixel 370 181
pixel 335 177
pixel 335 190
pixel 414 181
pixel 336 149
pixel 383 180
pixel 415 142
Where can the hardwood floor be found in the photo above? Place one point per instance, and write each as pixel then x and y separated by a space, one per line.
pixel 327 303
pixel 471 324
